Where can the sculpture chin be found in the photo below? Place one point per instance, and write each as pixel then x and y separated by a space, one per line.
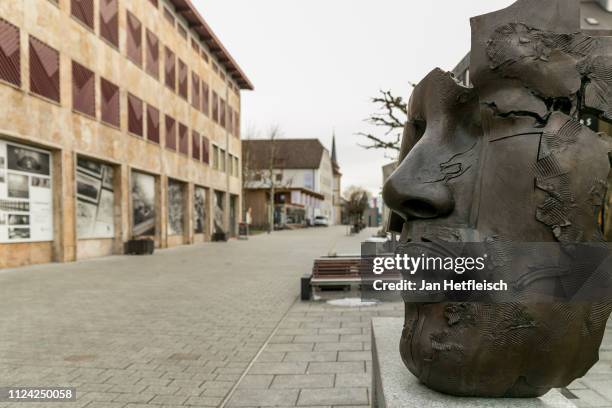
pixel 501 350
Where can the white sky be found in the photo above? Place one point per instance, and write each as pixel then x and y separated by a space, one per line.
pixel 316 63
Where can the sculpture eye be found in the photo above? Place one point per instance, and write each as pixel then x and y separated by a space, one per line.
pixel 413 132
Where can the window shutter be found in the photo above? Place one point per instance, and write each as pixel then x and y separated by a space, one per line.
pixel 110 108
pixel 44 70
pixel 109 21
pixel 135 115
pixel 152 124
pixel 152 55
pixel 183 79
pixel 83 10
pixel 10 54
pixel 195 90
pixel 196 149
pixel 222 112
pixel 183 139
pixel 170 133
pixel 170 69
pixel 205 98
pixel 83 90
pixel 134 39
pixel 205 150
pixel 215 107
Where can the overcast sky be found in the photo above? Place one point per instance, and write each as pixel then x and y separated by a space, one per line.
pixel 316 63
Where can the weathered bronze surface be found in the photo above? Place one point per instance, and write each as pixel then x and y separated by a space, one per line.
pixel 507 160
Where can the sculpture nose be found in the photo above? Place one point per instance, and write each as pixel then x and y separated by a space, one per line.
pixel 415 199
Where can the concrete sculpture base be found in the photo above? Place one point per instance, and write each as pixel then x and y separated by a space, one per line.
pixel 395 387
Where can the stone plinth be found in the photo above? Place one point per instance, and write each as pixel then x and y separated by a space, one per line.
pixel 395 387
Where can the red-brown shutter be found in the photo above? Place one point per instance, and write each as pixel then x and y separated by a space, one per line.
pixel 182 31
pixel 83 10
pixel 170 133
pixel 170 69
pixel 109 21
pixel 183 139
pixel 135 115
pixel 205 98
pixel 83 90
pixel 169 16
pixel 10 55
pixel 205 150
pixel 152 124
pixel 134 39
pixel 152 54
pixel 222 112
pixel 196 149
pixel 215 107
pixel 183 79
pixel 44 70
pixel 110 109
pixel 195 90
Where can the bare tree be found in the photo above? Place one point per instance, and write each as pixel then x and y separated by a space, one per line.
pixel 391 116
pixel 357 202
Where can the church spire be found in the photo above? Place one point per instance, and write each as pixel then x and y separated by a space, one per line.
pixel 334 158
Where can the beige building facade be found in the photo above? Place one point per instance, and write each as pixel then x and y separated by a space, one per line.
pixel 119 119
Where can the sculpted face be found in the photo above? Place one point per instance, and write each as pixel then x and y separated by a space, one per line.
pixel 508 160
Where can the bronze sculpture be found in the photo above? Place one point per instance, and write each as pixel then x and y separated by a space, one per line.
pixel 507 160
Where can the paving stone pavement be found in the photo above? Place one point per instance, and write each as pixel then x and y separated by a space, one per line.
pixel 203 326
pixel 174 329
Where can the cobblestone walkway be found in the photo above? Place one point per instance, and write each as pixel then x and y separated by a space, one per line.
pixel 174 329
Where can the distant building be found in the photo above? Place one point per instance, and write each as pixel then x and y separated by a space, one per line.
pixel 303 176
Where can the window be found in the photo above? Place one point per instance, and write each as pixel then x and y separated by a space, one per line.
pixel 110 109
pixel 135 115
pixel 170 133
pixel 44 70
pixel 195 90
pixel 196 150
pixel 152 67
pixel 134 39
pixel 83 10
pixel 205 150
pixel 183 139
pixel 170 69
pixel 154 3
pixel 183 78
pixel 109 21
pixel 230 120
pixel 195 46
pixel 204 56
pixel 215 68
pixel 237 124
pixel 215 157
pixel 169 16
pixel 205 98
pixel 10 58
pixel 83 90
pixel 222 160
pixel 182 31
pixel 215 107
pixel 222 112
pixel 236 167
pixel 152 124
pixel 278 177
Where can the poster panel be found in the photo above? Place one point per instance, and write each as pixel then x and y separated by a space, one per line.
pixel 199 210
pixel 219 212
pixel 26 194
pixel 95 199
pixel 176 206
pixel 143 205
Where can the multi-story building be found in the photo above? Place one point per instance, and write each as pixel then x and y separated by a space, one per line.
pixel 337 186
pixel 301 171
pixel 118 119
